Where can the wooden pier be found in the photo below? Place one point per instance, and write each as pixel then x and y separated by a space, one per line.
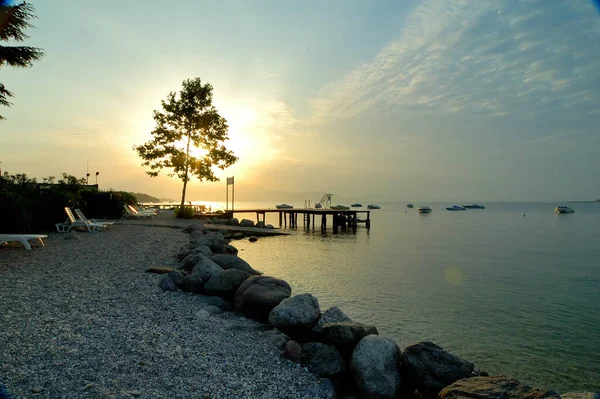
pixel 342 219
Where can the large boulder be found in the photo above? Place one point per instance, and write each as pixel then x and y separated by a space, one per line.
pixel 247 223
pixel 206 268
pixel 346 335
pixel 190 261
pixel 226 283
pixel 495 387
pixel 194 227
pixel 167 284
pixel 227 249
pixel 298 312
pixel 233 222
pixel 258 295
pixel 260 224
pixel 430 368
pixel 202 249
pixel 227 261
pixel 177 277
pixel 375 368
pixel 193 283
pixel 331 315
pixel 196 234
pixel 322 359
pixel 214 240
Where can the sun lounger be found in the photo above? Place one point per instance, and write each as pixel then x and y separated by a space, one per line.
pixel 81 216
pixel 72 223
pixel 131 212
pixel 23 238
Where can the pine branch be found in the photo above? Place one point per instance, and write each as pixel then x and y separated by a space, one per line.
pixel 19 56
pixel 14 20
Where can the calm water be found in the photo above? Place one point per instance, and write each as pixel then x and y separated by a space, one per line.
pixel 515 295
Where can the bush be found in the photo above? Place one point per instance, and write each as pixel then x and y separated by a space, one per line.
pixel 187 212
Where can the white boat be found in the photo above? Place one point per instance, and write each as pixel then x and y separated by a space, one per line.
pixel 356 205
pixel 456 208
pixel 563 209
pixel 373 206
pixel 283 206
pixel 474 206
pixel 424 209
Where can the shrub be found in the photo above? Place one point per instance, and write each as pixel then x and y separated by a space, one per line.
pixel 187 212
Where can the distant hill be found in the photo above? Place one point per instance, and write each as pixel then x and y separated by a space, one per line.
pixel 141 197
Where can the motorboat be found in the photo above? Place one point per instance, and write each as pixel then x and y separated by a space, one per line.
pixel 356 205
pixel 373 206
pixel 474 206
pixel 410 206
pixel 340 207
pixel 424 209
pixel 456 208
pixel 318 205
pixel 563 209
pixel 283 206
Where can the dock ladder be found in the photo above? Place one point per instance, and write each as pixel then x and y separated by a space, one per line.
pixel 325 202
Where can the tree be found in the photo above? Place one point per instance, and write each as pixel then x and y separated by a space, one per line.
pixel 13 21
pixel 186 122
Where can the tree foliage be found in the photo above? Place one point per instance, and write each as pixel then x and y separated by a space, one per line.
pixel 13 22
pixel 186 122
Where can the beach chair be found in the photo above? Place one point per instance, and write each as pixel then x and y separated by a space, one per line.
pixel 81 216
pixel 130 214
pixel 143 210
pixel 72 223
pixel 23 239
pixel 141 213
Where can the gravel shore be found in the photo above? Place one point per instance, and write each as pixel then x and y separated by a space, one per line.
pixel 80 319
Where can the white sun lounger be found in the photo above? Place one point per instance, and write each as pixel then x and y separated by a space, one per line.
pixel 72 223
pixel 81 216
pixel 23 239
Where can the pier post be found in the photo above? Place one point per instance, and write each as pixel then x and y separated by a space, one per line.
pixel 307 221
pixel 323 223
pixel 313 222
pixel 368 221
pixel 335 223
pixel 280 219
pixel 284 219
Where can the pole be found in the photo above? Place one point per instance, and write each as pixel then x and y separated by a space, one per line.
pixel 227 196
pixel 233 196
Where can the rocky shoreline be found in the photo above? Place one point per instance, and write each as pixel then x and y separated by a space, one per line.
pixel 351 356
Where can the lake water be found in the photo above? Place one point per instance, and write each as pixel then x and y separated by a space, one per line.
pixel 517 295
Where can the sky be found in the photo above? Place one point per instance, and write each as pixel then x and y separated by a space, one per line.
pixel 432 100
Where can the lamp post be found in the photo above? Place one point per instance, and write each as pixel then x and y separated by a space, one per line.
pixel 97 173
pixel 87 177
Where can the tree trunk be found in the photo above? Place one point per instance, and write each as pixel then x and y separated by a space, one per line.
pixel 187 167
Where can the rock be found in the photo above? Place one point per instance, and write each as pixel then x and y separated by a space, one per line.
pixel 224 232
pixel 298 312
pixel 237 236
pixel 331 315
pixel 276 338
pixel 258 295
pixel 269 226
pixel 193 283
pixel 375 368
pixel 214 240
pixel 496 387
pixel 215 221
pixel 580 395
pixel 227 262
pixel 206 268
pixel 226 283
pixel 167 284
pixel 193 227
pixel 38 389
pixel 196 234
pixel 202 314
pixel 212 309
pixel 195 250
pixel 345 335
pixel 190 261
pixel 292 351
pixel 260 224
pixel 233 222
pixel 326 390
pixel 253 238
pixel 206 302
pixel 228 250
pixel 429 368
pixel 134 393
pixel 247 223
pixel 322 359
pixel 177 278
pixel 159 270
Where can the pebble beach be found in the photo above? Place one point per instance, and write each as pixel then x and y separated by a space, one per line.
pixel 80 318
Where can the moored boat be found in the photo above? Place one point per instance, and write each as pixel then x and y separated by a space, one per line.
pixel 424 209
pixel 410 206
pixel 474 206
pixel 563 209
pixel 373 206
pixel 356 205
pixel 456 208
pixel 340 207
pixel 283 206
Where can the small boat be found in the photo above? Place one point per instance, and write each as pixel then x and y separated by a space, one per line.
pixel 356 205
pixel 424 209
pixel 318 205
pixel 340 208
pixel 283 206
pixel 410 206
pixel 563 209
pixel 456 208
pixel 373 206
pixel 474 206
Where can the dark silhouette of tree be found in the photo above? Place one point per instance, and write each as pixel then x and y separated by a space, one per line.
pixel 13 21
pixel 186 122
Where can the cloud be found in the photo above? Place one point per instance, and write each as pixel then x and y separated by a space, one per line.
pixel 478 58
